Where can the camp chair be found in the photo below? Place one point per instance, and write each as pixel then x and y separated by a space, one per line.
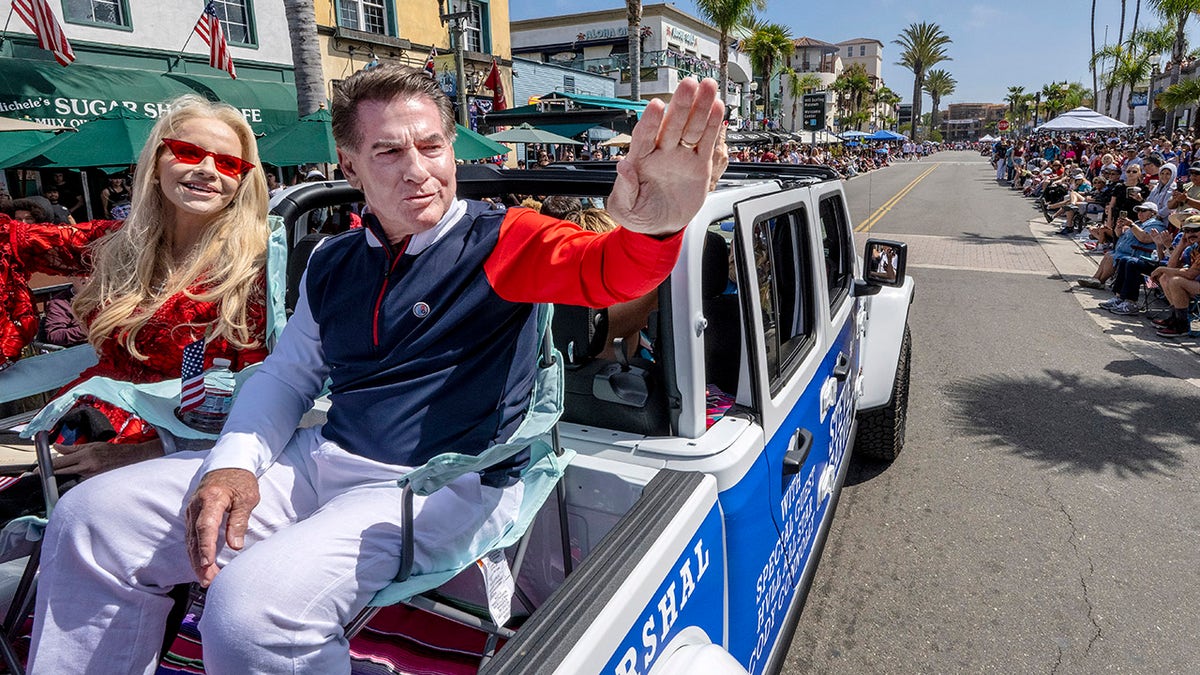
pixel 155 402
pixel 547 464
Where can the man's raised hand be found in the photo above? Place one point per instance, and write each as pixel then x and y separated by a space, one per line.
pixel 662 181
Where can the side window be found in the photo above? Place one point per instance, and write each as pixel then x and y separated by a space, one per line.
pixel 236 21
pixel 780 262
pixel 111 13
pixel 837 245
pixel 369 16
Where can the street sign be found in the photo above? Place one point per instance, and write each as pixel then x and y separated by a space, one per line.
pixel 814 111
pixel 1002 125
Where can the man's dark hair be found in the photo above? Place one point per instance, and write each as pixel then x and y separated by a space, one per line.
pixel 39 214
pixel 384 83
pixel 562 207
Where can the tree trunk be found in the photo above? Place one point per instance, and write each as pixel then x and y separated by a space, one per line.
pixel 723 62
pixel 918 84
pixel 1095 85
pixel 306 55
pixel 1177 54
pixel 633 14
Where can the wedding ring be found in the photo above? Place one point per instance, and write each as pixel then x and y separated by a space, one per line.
pixel 689 146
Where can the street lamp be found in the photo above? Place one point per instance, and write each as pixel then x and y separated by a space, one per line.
pixel 458 31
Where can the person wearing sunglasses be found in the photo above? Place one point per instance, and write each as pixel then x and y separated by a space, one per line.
pixel 187 263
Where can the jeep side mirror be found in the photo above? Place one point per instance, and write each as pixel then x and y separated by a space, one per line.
pixel 884 262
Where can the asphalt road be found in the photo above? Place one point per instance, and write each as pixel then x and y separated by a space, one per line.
pixel 1045 513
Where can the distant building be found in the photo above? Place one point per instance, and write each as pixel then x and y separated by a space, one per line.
pixel 674 45
pixel 827 61
pixel 969 121
pixel 534 78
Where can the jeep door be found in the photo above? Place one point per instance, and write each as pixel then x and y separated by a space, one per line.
pixel 798 374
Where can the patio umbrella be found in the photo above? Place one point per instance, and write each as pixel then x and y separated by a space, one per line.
pixel 306 141
pixel 469 145
pixel 1082 119
pixel 527 133
pixel 112 139
pixel 15 142
pixel 620 141
pixel 11 124
pixel 853 134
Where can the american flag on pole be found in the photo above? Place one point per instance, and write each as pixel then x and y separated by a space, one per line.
pixel 429 69
pixel 209 30
pixel 37 15
pixel 191 393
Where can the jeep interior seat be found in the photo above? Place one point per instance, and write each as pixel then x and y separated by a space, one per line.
pixel 297 262
pixel 723 335
pixel 627 396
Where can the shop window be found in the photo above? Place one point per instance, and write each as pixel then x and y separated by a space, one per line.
pixel 369 16
pixel 476 30
pixel 113 13
pixel 236 20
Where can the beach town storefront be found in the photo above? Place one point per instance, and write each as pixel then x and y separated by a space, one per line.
pixel 34 87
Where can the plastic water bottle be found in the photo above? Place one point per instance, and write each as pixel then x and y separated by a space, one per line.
pixel 210 416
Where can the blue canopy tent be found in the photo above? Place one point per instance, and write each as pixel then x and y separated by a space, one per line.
pixel 885 135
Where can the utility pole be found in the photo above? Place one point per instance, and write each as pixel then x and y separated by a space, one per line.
pixel 457 21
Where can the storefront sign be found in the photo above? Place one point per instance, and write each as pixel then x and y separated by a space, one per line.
pixel 604 33
pixel 680 36
pixel 62 111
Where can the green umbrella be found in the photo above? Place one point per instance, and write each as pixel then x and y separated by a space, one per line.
pixel 112 139
pixel 527 133
pixel 19 141
pixel 308 140
pixel 469 145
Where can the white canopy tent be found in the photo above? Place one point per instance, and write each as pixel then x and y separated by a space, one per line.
pixel 988 139
pixel 1082 119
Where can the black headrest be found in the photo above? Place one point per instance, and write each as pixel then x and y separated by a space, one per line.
pixel 580 333
pixel 714 271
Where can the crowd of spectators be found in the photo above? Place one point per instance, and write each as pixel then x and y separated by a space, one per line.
pixel 1135 199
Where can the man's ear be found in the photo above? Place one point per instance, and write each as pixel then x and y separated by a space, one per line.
pixel 346 164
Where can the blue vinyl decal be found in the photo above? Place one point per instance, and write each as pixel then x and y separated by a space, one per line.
pixel 692 594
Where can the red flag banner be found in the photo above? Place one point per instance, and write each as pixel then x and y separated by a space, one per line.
pixel 496 84
pixel 37 15
pixel 209 30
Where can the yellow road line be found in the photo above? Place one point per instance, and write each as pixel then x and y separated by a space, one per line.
pixel 866 225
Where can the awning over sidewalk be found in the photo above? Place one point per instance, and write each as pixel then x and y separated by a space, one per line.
pixel 48 93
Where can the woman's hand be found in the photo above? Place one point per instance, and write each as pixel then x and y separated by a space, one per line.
pixel 89 459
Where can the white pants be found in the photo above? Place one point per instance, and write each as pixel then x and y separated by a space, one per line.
pixel 324 538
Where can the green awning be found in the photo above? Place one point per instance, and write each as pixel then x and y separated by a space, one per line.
pixel 307 140
pixel 266 105
pixel 14 143
pixel 48 93
pixel 469 145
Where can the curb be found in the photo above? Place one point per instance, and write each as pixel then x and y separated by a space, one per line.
pixel 1178 357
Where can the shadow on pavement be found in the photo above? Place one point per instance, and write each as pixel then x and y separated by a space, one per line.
pixel 1134 367
pixel 1015 239
pixel 1078 424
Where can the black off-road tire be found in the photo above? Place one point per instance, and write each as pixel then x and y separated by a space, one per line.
pixel 881 431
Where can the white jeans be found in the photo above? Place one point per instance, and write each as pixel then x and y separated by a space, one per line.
pixel 324 538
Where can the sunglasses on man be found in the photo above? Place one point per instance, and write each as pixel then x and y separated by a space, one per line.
pixel 188 153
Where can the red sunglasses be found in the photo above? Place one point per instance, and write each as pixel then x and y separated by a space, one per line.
pixel 187 153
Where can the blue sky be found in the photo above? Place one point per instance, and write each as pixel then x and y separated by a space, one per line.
pixel 996 44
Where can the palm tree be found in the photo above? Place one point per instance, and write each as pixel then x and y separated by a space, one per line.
pixel 1179 95
pixel 887 99
pixel 766 46
pixel 797 86
pixel 924 45
pixel 1131 60
pixel 854 91
pixel 306 55
pixel 633 16
pixel 1014 97
pixel 1095 89
pixel 938 83
pixel 1176 13
pixel 1110 82
pixel 726 15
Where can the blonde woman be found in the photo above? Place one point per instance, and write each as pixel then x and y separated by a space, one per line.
pixel 187 264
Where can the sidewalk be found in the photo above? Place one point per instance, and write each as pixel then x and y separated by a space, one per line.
pixel 1180 357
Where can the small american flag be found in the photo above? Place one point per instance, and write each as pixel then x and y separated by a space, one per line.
pixel 429 69
pixel 191 393
pixel 209 30
pixel 37 15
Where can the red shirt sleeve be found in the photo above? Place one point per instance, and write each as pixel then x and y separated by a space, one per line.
pixel 543 259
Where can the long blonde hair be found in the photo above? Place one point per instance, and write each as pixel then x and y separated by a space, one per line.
pixel 133 269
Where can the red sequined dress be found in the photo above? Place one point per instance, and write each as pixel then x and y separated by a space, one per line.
pixel 180 321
